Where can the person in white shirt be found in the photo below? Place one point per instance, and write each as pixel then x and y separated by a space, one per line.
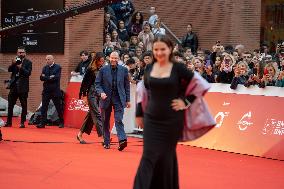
pixel 157 29
pixel 153 16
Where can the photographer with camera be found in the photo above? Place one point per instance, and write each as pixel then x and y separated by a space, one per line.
pixel 270 74
pixel 256 73
pixel 21 69
pixel 241 75
pixel 226 72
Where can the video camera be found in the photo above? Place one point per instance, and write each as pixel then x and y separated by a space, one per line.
pixel 18 60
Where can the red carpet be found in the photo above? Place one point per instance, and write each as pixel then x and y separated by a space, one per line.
pixel 51 158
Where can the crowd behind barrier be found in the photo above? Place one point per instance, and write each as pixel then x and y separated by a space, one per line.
pixel 243 116
pixel 130 33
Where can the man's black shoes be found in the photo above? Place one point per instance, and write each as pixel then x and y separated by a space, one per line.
pixel 106 146
pixel 61 125
pixel 40 126
pixel 122 145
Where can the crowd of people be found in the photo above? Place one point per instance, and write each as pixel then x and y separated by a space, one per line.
pixel 129 33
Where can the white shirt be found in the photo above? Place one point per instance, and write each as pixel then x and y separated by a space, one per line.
pixel 51 64
pixel 153 19
pixel 158 31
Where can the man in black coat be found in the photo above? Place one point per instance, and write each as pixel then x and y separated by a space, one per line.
pixel 21 69
pixel 50 76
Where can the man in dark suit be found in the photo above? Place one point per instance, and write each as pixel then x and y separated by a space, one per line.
pixel 21 69
pixel 50 76
pixel 112 83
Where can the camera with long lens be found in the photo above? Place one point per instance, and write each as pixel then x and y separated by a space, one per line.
pixel 18 60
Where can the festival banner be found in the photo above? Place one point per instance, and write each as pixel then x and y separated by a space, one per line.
pixel 246 124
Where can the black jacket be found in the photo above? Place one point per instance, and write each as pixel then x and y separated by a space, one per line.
pixel 191 41
pixel 224 77
pixel 123 35
pixel 123 11
pixel 88 81
pixel 51 85
pixel 82 66
pixel 20 77
pixel 239 80
pixel 209 78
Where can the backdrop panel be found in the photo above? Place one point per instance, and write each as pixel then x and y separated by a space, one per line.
pixel 248 122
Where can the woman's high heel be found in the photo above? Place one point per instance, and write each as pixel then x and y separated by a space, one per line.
pixel 81 141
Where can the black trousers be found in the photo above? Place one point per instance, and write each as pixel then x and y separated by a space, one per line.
pixel 93 117
pixel 57 103
pixel 12 99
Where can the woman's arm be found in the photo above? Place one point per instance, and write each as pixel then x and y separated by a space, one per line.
pixel 186 76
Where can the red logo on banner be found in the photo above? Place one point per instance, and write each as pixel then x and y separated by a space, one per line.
pixel 78 104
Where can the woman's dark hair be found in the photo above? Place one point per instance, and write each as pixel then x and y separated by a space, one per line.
pixel 168 42
pixel 229 49
pixel 256 50
pixel 119 23
pixel 84 52
pixel 94 65
pixel 130 61
pixel 133 19
pixel 178 53
pixel 147 53
pixel 261 68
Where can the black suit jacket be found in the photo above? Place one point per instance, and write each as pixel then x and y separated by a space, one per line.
pixel 51 85
pixel 20 77
pixel 88 81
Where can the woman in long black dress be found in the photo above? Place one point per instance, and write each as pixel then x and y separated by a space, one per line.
pixel 88 89
pixel 163 118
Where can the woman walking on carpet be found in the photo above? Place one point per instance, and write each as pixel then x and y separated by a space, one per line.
pixel 163 119
pixel 88 89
